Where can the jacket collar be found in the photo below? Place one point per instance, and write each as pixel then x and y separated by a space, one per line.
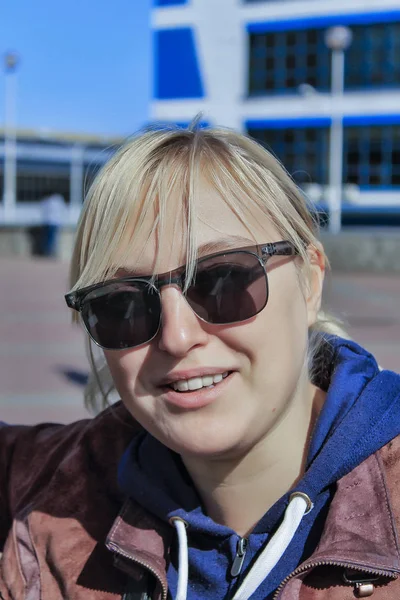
pixel 140 540
pixel 359 528
pixel 359 531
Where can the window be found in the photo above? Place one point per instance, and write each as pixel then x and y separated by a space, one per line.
pixel 38 179
pixel 283 60
pixel 303 151
pixel 280 61
pixel 372 156
pixel 373 59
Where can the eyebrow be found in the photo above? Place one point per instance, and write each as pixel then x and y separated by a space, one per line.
pixel 225 243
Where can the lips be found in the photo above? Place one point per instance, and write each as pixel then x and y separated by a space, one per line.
pixel 187 374
pixel 197 398
pixel 196 383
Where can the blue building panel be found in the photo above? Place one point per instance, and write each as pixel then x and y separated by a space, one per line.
pixel 169 2
pixel 371 120
pixel 161 124
pixel 177 69
pixel 315 122
pixel 185 124
pixel 324 22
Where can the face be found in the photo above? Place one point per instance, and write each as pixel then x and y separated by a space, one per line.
pixel 261 360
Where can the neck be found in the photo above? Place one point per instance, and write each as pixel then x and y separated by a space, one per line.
pixel 257 479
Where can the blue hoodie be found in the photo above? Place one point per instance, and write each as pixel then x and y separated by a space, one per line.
pixel 361 414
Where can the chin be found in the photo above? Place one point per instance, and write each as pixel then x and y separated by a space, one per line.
pixel 207 444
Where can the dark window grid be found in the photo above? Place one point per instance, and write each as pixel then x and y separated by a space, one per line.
pixel 32 188
pixel 360 47
pixel 311 60
pixel 280 71
pixel 301 74
pixel 381 144
pixel 373 59
pixel 366 145
pixel 260 54
pixel 300 50
pixel 255 42
pixel 296 75
pixel 42 171
pixel 364 166
pixel 304 158
pixel 299 63
pixel 359 149
pixel 258 75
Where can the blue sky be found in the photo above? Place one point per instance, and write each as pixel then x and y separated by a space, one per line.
pixel 85 64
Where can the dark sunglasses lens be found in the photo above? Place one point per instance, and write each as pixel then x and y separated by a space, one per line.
pixel 229 288
pixel 122 315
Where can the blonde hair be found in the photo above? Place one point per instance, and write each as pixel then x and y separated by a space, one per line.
pixel 134 189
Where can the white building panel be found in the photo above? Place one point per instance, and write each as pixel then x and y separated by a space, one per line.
pixel 220 29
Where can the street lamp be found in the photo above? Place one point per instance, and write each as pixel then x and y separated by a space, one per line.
pixel 338 39
pixel 10 137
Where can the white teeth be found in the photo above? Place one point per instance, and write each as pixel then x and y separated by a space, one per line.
pixel 181 386
pixel 196 383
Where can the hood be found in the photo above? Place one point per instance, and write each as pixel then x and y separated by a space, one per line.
pixel 360 415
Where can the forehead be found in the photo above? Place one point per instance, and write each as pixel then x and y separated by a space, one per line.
pixel 217 227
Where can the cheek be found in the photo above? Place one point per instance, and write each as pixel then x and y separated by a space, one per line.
pixel 280 332
pixel 287 307
pixel 125 367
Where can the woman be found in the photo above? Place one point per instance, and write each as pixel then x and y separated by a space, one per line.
pixel 255 453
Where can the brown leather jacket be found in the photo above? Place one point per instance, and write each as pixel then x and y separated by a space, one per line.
pixel 67 534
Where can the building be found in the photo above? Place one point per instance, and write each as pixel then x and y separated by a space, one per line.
pixel 47 163
pixel 263 66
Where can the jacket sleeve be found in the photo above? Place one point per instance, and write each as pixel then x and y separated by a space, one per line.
pixel 30 456
pixel 8 437
pixel 24 451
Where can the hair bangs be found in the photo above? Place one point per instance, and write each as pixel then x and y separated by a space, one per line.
pixel 252 185
pixel 153 182
pixel 142 194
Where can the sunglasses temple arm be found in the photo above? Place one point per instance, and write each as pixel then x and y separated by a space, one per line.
pixel 278 249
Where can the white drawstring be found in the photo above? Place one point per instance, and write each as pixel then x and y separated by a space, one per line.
pixel 274 550
pixel 299 505
pixel 183 562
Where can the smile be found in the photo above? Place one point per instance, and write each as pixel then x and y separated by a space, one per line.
pixel 196 383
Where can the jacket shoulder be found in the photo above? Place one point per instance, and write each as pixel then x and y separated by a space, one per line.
pixel 36 459
pixel 389 455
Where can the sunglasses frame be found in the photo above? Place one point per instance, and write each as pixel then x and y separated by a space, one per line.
pixel 262 252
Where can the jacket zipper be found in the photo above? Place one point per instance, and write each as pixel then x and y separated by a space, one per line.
pixel 239 559
pixel 323 563
pixel 240 556
pixel 114 548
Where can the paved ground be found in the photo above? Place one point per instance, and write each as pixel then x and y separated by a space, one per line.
pixel 43 361
pixel 42 357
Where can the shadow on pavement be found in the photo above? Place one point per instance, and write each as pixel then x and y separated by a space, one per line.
pixel 74 376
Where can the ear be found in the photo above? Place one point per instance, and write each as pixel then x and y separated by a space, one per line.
pixel 316 276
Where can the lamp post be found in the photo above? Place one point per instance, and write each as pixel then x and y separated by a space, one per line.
pixel 338 39
pixel 10 137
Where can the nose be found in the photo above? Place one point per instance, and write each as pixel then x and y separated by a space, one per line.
pixel 181 329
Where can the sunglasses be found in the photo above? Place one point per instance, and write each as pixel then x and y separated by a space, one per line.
pixel 228 287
